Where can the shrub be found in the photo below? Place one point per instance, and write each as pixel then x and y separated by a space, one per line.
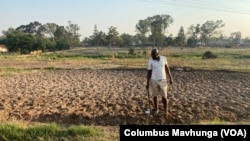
pixel 131 51
pixel 209 55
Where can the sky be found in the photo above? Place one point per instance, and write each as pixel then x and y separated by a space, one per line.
pixel 125 14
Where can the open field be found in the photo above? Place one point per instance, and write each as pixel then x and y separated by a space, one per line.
pixel 231 59
pixel 98 87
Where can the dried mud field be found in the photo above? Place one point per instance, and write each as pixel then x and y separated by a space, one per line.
pixel 111 97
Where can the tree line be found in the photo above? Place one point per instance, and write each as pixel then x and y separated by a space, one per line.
pixel 150 31
pixel 37 36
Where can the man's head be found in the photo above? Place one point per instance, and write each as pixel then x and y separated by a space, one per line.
pixel 155 54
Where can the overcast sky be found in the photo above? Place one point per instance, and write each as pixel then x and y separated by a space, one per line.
pixel 125 14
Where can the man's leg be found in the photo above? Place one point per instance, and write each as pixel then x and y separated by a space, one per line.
pixel 156 107
pixel 165 104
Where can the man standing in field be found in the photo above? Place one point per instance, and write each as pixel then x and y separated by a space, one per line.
pixel 158 70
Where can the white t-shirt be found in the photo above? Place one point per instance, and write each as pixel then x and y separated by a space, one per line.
pixel 158 68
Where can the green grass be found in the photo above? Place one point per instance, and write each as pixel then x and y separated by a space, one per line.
pixel 230 59
pixel 50 132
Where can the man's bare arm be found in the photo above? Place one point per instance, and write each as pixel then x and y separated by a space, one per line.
pixel 168 73
pixel 148 78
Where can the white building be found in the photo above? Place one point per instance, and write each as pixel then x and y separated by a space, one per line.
pixel 3 48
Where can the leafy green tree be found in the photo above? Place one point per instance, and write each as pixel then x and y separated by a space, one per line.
pixel 142 28
pixel 209 29
pixel 50 29
pixel 137 39
pixel 50 45
pixel 45 44
pixel 86 42
pixel 60 33
pixel 193 32
pixel 35 36
pixel 95 40
pixel 12 39
pixel 26 43
pixel 180 40
pixel 98 38
pixel 72 35
pixel 170 41
pixel 2 40
pixel 18 41
pixel 32 28
pixel 127 39
pixel 158 26
pixel 113 37
pixel 191 42
pixel 246 41
pixel 235 37
pixel 62 45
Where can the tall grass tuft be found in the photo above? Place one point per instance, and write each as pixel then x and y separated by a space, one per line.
pixel 14 132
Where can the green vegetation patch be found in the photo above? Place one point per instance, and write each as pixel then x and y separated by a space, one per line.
pixel 12 132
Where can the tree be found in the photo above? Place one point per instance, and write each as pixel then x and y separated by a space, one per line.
pixel 191 42
pixel 72 34
pixel 45 44
pixel 246 41
pixel 142 28
pixel 236 37
pixel 60 33
pixel 86 41
pixel 18 41
pixel 26 43
pixel 50 29
pixel 98 37
pixel 35 36
pixel 193 32
pixel 170 40
pixel 32 28
pixel 62 45
pixel 95 40
pixel 113 37
pixel 181 38
pixel 158 26
pixel 127 40
pixel 209 29
pixel 12 40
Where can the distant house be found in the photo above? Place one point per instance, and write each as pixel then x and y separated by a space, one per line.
pixel 3 48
